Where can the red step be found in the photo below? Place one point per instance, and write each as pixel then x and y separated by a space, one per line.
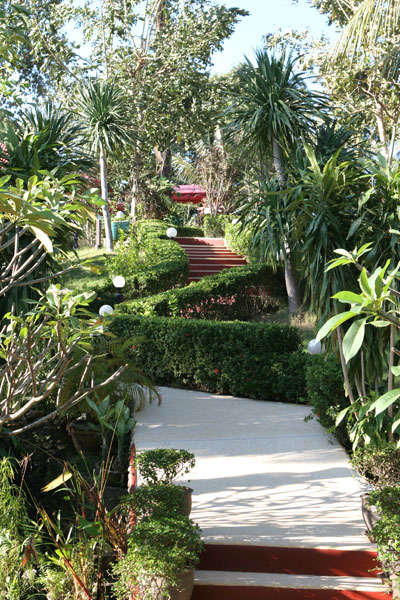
pixel 228 592
pixel 300 561
pixel 242 572
pixel 194 241
pixel 208 256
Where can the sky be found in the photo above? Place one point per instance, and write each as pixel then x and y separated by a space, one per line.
pixel 267 16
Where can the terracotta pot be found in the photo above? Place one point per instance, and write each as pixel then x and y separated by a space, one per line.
pixel 187 506
pixel 155 585
pixel 85 440
pixel 112 496
pixel 369 515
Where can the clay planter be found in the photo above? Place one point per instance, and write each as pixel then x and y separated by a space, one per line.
pixel 369 515
pixel 187 507
pixel 182 591
pixel 85 440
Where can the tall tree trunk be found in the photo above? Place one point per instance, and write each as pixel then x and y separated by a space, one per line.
pixel 292 286
pixel 105 208
pixel 381 130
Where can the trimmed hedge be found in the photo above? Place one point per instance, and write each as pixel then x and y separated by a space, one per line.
pixel 146 228
pixel 244 359
pixel 239 241
pixel 186 231
pixel 237 293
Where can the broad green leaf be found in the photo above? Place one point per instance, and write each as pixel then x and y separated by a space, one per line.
pixel 385 401
pixel 57 481
pixel 344 253
pixel 342 415
pixel 396 370
pixel 337 263
pixel 379 323
pixel 364 284
pixel 348 297
pixel 353 339
pixel 334 322
pixel 43 237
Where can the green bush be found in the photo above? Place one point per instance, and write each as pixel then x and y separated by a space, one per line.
pixel 379 464
pixel 240 241
pixel 386 532
pixel 243 359
pixel 149 266
pixel 237 293
pixel 214 225
pixel 186 231
pixel 324 382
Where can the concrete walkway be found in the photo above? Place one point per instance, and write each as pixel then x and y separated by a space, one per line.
pixel 263 475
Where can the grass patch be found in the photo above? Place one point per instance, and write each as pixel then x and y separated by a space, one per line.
pixel 85 277
pixel 306 323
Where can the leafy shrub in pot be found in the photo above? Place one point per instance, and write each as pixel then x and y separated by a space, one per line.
pixel 378 463
pixel 159 551
pixel 164 465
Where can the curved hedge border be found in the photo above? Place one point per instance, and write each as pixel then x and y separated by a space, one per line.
pixel 224 296
pixel 244 359
pixel 146 228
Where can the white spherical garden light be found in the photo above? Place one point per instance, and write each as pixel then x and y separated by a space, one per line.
pixel 315 347
pixel 105 310
pixel 119 281
pixel 171 232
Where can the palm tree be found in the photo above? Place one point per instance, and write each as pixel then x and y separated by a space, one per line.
pixel 42 138
pixel 103 110
pixel 272 107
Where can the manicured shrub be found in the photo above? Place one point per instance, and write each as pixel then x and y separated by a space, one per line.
pixel 379 464
pixel 243 359
pixel 237 293
pixel 386 532
pixel 324 382
pixel 149 266
pixel 186 231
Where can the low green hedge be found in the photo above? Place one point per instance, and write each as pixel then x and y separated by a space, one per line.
pixel 244 359
pixel 237 293
pixel 186 231
pixel 146 228
pixel 324 380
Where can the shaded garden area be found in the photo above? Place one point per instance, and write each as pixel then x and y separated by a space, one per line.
pixel 296 150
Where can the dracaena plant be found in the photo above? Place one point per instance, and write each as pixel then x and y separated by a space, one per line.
pixel 368 349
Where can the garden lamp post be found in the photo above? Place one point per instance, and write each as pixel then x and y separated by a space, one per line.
pixel 118 283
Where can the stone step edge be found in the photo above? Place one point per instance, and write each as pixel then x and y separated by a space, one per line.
pixel 278 580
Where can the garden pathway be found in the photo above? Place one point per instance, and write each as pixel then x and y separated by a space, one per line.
pixel 264 478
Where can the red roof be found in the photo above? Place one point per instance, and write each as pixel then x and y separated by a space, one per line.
pixel 188 193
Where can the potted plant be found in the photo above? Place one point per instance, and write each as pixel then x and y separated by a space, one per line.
pixel 160 561
pixel 163 466
pixel 156 501
pixel 119 222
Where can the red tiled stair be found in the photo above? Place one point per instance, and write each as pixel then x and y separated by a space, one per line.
pixel 208 256
pixel 238 572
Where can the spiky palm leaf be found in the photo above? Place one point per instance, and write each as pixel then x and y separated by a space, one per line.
pixel 373 21
pixel 273 102
pixel 103 110
pixel 42 139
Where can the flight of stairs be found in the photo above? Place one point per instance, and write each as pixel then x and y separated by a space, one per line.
pixel 242 572
pixel 208 256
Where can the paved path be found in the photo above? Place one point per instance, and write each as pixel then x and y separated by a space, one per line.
pixel 263 475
